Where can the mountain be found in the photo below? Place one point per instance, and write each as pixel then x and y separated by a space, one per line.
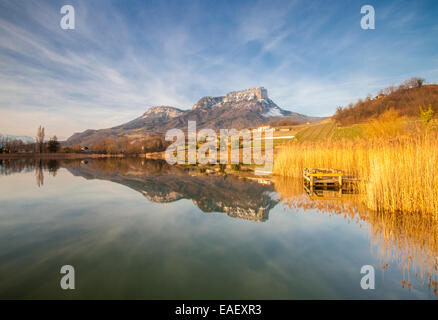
pixel 25 139
pixel 151 118
pixel 238 109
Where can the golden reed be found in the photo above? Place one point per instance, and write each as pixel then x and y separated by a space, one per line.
pixel 398 174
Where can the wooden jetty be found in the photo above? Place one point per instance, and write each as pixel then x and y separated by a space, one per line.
pixel 333 179
pixel 323 177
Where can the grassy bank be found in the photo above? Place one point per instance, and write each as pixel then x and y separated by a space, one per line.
pixel 398 174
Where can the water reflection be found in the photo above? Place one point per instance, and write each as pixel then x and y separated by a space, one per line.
pixel 159 182
pixel 11 166
pixel 162 183
pixel 51 166
pixel 408 242
pixel 411 240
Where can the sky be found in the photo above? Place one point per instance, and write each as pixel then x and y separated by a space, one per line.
pixel 126 56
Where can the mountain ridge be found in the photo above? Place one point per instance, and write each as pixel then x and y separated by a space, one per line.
pixel 25 139
pixel 237 109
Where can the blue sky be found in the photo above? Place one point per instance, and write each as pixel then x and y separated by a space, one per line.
pixel 125 56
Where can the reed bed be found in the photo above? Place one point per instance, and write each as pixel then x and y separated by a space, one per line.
pixel 398 174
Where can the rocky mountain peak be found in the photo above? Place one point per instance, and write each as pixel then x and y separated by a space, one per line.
pixel 162 112
pixel 207 102
pixel 259 93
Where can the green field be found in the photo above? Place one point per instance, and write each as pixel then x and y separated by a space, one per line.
pixel 317 132
pixel 351 132
pixel 330 130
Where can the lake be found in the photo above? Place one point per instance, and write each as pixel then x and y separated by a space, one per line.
pixel 141 229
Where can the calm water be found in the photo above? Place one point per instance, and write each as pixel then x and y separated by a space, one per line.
pixel 142 229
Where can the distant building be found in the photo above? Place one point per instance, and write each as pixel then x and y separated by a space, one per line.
pixel 261 128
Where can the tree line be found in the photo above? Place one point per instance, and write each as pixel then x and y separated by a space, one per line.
pixel 9 145
pixel 130 146
pixel 109 145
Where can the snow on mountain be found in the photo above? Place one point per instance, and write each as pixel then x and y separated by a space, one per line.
pixel 273 112
pixel 25 139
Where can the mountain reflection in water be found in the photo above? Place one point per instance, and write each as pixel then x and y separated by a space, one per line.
pixel 409 239
pixel 159 182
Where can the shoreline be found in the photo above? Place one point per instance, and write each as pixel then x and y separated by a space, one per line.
pixel 58 156
pixel 61 156
pixel 245 172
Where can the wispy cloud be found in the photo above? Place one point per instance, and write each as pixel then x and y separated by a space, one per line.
pixel 124 57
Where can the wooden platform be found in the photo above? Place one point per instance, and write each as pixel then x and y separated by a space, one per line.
pixel 333 179
pixel 323 177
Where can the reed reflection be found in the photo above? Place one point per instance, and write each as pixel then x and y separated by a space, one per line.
pixel 411 240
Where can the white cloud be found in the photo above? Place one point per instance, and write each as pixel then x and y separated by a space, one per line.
pixel 113 67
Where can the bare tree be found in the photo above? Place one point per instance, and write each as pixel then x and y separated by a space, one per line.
pixel 390 89
pixel 3 144
pixel 414 82
pixel 40 138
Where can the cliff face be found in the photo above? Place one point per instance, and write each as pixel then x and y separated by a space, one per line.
pixel 249 94
pixel 237 98
pixel 207 102
pixel 238 109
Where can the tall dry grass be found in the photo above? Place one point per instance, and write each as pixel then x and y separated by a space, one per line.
pixel 350 156
pixel 398 174
pixel 403 175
